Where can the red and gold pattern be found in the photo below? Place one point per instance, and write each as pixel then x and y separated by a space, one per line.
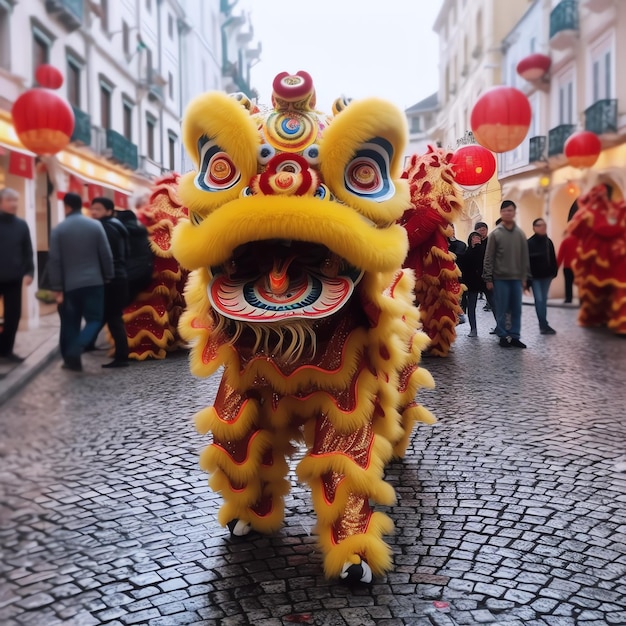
pixel 436 203
pixel 600 263
pixel 305 363
pixel 152 319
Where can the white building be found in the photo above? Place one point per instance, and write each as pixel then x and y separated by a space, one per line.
pixel 583 90
pixel 421 117
pixel 470 62
pixel 129 67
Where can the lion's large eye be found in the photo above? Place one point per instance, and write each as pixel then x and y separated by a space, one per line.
pixel 266 152
pixel 312 154
pixel 217 170
pixel 367 174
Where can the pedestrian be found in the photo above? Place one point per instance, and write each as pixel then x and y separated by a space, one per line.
pixel 139 264
pixel 506 270
pixel 17 268
pixel 115 291
pixel 458 248
pixel 543 269
pixel 472 269
pixel 565 257
pixel 483 230
pixel 79 264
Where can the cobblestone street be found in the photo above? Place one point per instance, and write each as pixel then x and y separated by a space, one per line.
pixel 511 509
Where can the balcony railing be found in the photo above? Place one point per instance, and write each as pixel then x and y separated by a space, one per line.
pixel 557 137
pixel 122 150
pixel 82 127
pixel 601 117
pixel 563 24
pixel 69 12
pixel 537 149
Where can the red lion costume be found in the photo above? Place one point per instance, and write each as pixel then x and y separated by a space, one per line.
pixel 435 204
pixel 152 319
pixel 600 265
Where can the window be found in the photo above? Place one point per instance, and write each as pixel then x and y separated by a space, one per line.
pixel 170 85
pixel 105 105
pixel 566 103
pixel 150 128
pixel 171 143
pixel 602 71
pixel 170 26
pixel 127 114
pixel 73 82
pixel 5 42
pixel 104 15
pixel 125 38
pixel 415 124
pixel 149 5
pixel 149 65
pixel 41 50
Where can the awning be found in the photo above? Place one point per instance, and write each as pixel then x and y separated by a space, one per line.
pixel 89 189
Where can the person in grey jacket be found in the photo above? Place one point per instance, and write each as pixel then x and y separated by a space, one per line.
pixel 79 264
pixel 16 268
pixel 506 270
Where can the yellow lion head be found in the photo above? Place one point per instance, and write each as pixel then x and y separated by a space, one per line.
pixel 289 208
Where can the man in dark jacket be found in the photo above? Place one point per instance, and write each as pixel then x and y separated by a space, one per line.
pixel 79 264
pixel 140 260
pixel 115 292
pixel 16 268
pixel 543 268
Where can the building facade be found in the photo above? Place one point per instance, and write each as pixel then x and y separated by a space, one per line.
pixel 470 62
pixel 584 90
pixel 421 118
pixel 129 68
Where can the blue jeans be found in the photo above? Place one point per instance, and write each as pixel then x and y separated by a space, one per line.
pixel 88 303
pixel 508 297
pixel 540 287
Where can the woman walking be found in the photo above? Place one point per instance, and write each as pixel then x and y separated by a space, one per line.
pixel 471 266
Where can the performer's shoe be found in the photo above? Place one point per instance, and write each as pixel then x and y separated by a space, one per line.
pixel 548 330
pixel 116 363
pixel 11 357
pixel 238 528
pixel 353 573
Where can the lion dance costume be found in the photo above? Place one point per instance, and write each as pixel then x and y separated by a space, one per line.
pixel 435 204
pixel 152 319
pixel 298 291
pixel 600 266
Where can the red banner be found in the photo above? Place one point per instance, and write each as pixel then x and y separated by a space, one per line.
pixel 121 200
pixel 94 191
pixel 21 165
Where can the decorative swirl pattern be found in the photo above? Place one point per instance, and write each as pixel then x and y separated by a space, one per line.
pixel 367 174
pixel 217 170
pixel 290 131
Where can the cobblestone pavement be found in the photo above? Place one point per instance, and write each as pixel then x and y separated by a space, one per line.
pixel 511 510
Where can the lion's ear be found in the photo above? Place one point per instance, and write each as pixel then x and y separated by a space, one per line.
pixel 361 155
pixel 222 141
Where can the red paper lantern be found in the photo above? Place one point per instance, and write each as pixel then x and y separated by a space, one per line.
pixel 48 76
pixel 534 66
pixel 43 121
pixel 500 118
pixel 582 149
pixel 473 166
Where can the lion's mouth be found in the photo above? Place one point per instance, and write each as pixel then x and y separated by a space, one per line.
pixel 278 280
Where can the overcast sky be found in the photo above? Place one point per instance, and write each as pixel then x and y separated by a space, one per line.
pixel 354 48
